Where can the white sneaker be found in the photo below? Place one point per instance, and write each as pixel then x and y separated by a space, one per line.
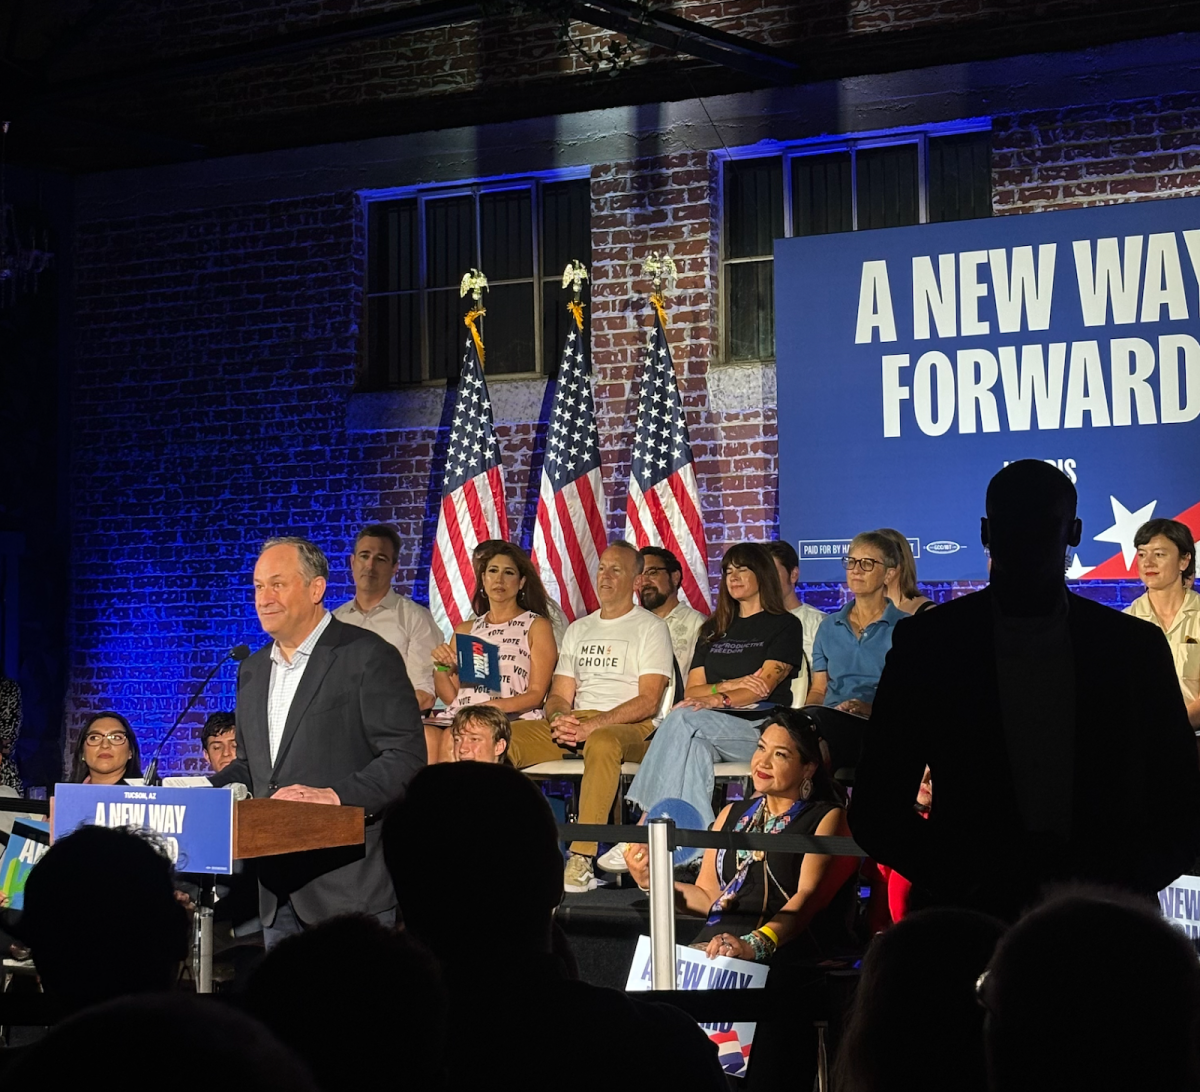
pixel 614 859
pixel 578 877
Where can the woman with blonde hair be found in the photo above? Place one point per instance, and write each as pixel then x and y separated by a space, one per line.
pixel 901 585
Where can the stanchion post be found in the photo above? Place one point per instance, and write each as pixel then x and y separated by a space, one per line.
pixel 202 938
pixel 662 904
pixel 204 976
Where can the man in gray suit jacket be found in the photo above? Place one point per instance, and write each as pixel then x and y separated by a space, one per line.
pixel 325 715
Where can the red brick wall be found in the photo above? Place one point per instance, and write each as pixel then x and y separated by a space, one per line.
pixel 670 204
pixel 1100 154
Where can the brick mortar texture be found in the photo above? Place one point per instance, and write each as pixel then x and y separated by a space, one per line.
pixel 215 354
pixel 1099 154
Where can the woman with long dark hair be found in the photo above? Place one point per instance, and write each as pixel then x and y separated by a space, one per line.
pixel 792 910
pixel 746 657
pixel 510 612
pixel 754 903
pixel 106 752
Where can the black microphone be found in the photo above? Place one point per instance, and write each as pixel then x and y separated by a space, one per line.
pixel 239 653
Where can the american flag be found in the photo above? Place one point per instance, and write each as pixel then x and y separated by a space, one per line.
pixel 472 496
pixel 569 537
pixel 664 503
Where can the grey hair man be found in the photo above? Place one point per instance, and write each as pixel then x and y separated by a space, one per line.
pixel 325 715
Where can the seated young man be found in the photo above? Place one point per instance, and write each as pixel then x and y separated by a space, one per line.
pixel 613 671
pixel 218 737
pixel 481 733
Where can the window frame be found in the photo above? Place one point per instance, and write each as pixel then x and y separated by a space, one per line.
pixel 789 151
pixel 474 188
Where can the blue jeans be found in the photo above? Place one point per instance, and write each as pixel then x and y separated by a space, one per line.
pixel 683 751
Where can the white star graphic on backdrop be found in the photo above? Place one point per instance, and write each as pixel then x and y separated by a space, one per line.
pixel 1125 525
pixel 1075 570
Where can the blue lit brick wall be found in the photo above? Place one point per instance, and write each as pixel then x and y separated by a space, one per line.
pixel 215 354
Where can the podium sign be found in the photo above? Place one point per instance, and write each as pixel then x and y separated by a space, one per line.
pixel 195 826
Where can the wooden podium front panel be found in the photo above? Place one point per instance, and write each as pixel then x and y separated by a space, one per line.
pixel 263 828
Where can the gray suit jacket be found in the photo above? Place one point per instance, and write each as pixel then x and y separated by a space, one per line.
pixel 354 727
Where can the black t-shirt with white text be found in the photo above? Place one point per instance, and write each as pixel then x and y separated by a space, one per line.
pixel 748 644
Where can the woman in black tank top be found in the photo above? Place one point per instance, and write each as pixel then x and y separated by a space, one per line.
pixel 755 903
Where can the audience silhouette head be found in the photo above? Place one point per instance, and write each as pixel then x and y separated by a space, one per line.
pixel 149 1033
pixel 1093 990
pixel 915 1010
pixel 1030 523
pixel 351 977
pixel 507 814
pixel 86 881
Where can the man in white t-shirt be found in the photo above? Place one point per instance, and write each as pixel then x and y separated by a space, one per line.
pixel 787 565
pixel 614 669
pixel 658 589
pixel 406 625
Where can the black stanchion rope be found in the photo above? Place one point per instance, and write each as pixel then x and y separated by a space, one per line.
pixel 717 839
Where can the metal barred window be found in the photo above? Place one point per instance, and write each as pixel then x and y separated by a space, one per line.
pixel 817 188
pixel 521 233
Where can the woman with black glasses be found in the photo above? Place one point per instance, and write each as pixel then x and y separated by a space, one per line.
pixel 106 752
pixel 851 645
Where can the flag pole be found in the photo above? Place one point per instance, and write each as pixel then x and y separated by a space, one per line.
pixel 474 282
pixel 569 532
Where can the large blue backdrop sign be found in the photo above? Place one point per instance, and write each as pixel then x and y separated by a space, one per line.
pixel 913 363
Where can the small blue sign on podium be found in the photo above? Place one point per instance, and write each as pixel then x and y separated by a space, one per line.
pixel 195 826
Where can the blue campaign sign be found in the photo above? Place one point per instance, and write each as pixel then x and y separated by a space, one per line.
pixel 913 363
pixel 27 843
pixel 194 825
pixel 478 661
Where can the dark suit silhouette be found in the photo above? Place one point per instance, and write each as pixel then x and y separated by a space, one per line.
pixel 1136 800
pixel 354 727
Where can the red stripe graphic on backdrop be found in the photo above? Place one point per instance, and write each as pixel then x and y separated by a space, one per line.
pixel 1114 568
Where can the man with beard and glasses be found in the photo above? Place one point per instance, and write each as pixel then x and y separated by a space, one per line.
pixel 658 590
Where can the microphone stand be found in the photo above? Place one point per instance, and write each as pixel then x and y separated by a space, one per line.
pixel 239 653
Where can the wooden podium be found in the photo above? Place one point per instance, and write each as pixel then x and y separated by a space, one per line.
pixel 266 828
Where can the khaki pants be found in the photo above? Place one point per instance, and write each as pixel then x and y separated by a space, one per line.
pixel 603 752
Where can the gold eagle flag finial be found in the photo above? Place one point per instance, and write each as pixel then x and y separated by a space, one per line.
pixel 661 269
pixel 474 282
pixel 574 276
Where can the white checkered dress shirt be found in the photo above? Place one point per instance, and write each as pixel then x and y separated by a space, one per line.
pixel 285 680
